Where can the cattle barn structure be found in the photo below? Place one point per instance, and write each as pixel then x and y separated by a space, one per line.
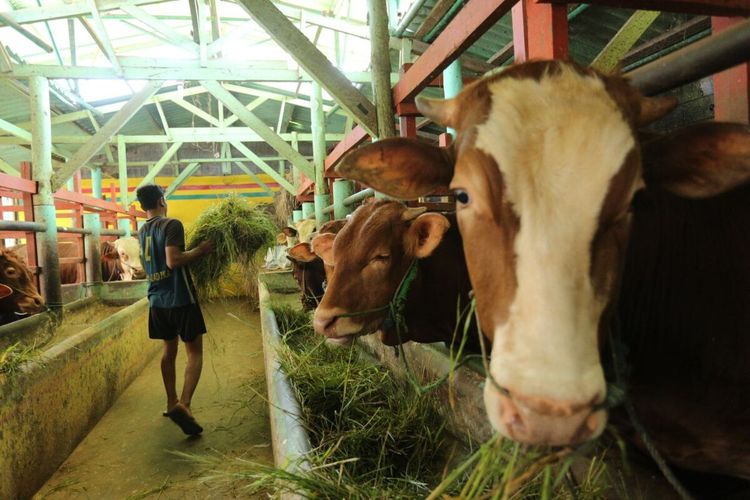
pixel 450 106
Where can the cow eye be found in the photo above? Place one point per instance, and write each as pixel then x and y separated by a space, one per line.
pixel 10 271
pixel 462 196
pixel 381 257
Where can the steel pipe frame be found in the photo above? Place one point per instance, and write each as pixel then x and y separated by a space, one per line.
pixel 703 58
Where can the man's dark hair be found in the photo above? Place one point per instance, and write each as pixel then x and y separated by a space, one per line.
pixel 149 196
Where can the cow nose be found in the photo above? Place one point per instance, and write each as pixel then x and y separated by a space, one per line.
pixel 547 422
pixel 37 301
pixel 324 324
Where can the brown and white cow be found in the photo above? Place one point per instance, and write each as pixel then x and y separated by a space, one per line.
pixel 19 293
pixel 369 259
pixel 121 260
pixel 545 167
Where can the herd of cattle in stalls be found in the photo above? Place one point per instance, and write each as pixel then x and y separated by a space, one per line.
pixel 579 234
pixel 19 296
pixel 576 234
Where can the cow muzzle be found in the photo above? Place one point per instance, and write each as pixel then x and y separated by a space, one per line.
pixel 30 304
pixel 542 421
pixel 331 324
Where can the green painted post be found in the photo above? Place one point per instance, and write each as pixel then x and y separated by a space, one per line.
pixel 296 215
pixel 122 165
pixel 308 210
pixel 342 189
pixel 96 182
pixel 452 84
pixel 69 185
pixel 124 224
pixel 43 201
pixel 318 124
pixel 92 246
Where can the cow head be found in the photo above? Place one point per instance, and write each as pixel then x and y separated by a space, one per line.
pixel 308 269
pixel 369 258
pixel 308 272
pixel 544 167
pixel 16 277
pixel 127 252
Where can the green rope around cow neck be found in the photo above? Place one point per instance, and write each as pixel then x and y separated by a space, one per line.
pixel 396 319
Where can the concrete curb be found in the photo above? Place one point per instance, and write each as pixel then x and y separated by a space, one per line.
pixel 290 441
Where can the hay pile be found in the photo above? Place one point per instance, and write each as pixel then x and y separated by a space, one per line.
pixel 239 232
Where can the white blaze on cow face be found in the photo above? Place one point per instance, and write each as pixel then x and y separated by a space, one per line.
pixel 558 142
pixel 129 254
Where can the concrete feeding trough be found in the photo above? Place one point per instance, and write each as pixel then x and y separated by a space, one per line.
pixel 51 403
pixel 460 402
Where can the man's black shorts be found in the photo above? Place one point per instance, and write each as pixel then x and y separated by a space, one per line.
pixel 185 321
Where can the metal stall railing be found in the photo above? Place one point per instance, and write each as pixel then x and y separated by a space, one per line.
pixel 79 207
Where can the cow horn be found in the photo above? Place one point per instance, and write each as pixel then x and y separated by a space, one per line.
pixel 412 213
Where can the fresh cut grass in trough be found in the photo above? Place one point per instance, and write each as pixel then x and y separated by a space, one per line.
pixel 238 231
pixel 374 437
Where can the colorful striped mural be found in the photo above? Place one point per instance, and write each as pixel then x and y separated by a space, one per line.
pixel 197 193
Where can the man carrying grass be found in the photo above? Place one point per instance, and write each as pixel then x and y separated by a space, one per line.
pixel 173 307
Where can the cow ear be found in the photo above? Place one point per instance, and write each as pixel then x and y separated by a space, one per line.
pixel 654 108
pixel 5 291
pixel 426 233
pixel 700 161
pixel 322 245
pixel 289 231
pixel 108 251
pixel 400 167
pixel 301 253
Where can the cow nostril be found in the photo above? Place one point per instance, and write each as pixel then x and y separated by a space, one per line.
pixel 324 324
pixel 511 416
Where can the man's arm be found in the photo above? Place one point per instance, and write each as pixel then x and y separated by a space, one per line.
pixel 175 240
pixel 177 258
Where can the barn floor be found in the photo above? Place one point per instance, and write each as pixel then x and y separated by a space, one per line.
pixel 128 455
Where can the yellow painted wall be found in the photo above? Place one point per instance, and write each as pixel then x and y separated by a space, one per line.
pixel 197 193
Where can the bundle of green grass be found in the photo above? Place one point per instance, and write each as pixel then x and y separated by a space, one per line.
pixel 239 232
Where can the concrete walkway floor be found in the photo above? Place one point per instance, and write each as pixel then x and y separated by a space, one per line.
pixel 129 454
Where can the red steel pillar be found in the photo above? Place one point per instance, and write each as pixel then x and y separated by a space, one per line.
pixel 731 88
pixel 540 31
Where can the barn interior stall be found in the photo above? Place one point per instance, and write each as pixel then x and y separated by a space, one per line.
pixel 328 115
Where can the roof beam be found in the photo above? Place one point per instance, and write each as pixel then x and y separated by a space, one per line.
pixel 63 10
pixel 183 134
pixel 624 39
pixel 26 33
pixel 263 166
pixel 197 111
pixel 180 179
pixel 8 168
pixel 153 172
pixel 107 148
pixel 705 7
pixel 467 62
pixel 104 134
pixel 228 121
pixel 182 70
pixel 470 23
pixel 671 37
pixel 313 61
pixel 436 14
pixel 103 39
pixel 257 125
pixel 161 28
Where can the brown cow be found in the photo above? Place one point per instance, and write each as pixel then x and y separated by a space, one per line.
pixel 370 257
pixel 308 269
pixel 20 295
pixel 544 167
